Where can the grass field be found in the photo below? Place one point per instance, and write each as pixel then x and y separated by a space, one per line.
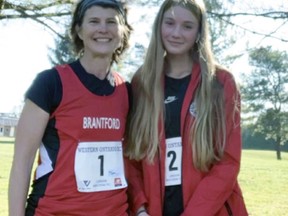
pixel 264 181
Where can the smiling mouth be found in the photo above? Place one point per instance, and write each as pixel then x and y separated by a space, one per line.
pixel 174 43
pixel 102 40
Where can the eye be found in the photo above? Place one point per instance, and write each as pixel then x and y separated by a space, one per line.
pixel 94 21
pixel 188 27
pixel 168 22
pixel 112 21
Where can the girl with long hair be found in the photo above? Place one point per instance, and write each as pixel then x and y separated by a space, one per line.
pixel 184 128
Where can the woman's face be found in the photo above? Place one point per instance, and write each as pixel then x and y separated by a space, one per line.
pixel 100 31
pixel 179 30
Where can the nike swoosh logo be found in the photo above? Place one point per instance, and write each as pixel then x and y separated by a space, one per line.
pixel 170 99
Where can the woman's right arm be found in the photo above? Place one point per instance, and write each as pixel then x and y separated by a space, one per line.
pixel 30 129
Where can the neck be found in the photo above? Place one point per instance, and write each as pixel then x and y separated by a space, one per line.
pixel 178 67
pixel 99 67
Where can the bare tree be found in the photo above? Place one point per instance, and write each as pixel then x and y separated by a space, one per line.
pixel 230 21
pixel 43 11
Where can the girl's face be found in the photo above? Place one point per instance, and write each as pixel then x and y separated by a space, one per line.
pixel 179 30
pixel 100 31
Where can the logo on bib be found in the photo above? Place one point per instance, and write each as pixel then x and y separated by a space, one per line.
pixel 87 183
pixel 117 182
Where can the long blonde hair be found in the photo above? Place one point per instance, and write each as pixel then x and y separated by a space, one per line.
pixel 143 135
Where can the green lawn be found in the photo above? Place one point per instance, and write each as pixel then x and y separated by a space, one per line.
pixel 6 140
pixel 6 153
pixel 264 181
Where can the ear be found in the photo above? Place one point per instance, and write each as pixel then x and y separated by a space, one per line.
pixel 79 32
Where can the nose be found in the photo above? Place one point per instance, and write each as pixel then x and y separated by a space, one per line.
pixel 176 31
pixel 102 28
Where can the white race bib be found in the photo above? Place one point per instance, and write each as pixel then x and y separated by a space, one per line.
pixel 99 166
pixel 173 161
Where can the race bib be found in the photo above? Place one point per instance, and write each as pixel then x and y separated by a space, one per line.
pixel 173 161
pixel 99 166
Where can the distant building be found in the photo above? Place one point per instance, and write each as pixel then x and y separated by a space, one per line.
pixel 8 124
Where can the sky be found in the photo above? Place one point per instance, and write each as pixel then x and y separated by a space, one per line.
pixel 23 54
pixel 23 51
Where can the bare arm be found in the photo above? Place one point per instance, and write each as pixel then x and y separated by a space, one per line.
pixel 29 134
